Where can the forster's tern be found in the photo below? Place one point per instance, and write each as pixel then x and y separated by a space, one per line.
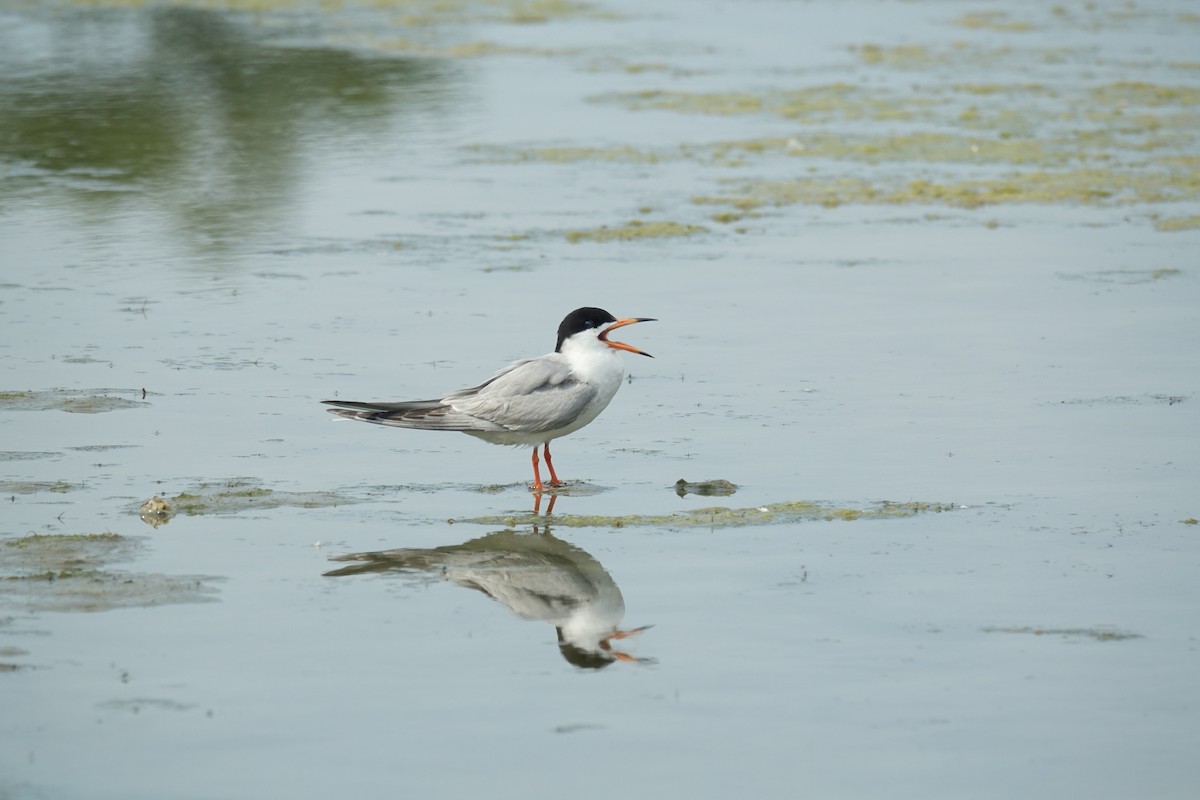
pixel 529 402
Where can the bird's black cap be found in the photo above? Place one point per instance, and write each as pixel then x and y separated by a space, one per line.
pixel 581 319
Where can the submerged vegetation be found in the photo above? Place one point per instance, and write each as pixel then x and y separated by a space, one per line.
pixel 1100 634
pixel 75 401
pixel 71 572
pixel 1178 223
pixel 1119 143
pixel 722 517
pixel 634 229
pixel 1038 132
pixel 233 496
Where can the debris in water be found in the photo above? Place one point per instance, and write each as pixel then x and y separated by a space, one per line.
pixel 716 488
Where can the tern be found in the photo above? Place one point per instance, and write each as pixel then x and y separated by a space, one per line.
pixel 529 402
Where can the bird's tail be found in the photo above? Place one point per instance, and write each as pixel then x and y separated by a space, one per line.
pixel 423 414
pixel 381 412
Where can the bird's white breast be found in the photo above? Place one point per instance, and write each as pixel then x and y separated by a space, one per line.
pixel 598 365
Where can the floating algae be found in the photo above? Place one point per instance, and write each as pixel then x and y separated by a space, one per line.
pixel 498 154
pixel 75 401
pixel 241 494
pixel 476 49
pixel 1124 276
pixel 1092 187
pixel 905 55
pixel 826 102
pixel 1100 634
pixel 12 652
pixel 418 13
pixel 68 572
pixel 715 488
pixel 1112 144
pixel 26 455
pixel 35 487
pixel 992 21
pixel 721 517
pixel 1177 224
pixel 95 404
pixel 1117 143
pixel 634 229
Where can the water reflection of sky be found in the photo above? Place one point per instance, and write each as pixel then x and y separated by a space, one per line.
pixel 201 117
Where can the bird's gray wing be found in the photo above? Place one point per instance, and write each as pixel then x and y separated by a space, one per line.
pixel 531 396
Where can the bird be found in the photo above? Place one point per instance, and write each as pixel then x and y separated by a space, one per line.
pixel 535 576
pixel 529 402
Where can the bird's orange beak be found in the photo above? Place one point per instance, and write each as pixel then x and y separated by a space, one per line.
pixel 621 345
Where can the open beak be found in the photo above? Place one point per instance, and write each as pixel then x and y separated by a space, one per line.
pixel 619 634
pixel 621 345
pixel 606 642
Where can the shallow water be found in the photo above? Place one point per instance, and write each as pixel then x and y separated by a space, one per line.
pixel 928 297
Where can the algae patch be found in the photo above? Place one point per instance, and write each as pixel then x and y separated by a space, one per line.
pixel 1091 187
pixel 823 103
pixel 1177 224
pixel 566 155
pixel 242 494
pixel 26 455
pixel 35 487
pixel 74 401
pixel 69 572
pixel 1115 143
pixel 714 488
pixel 420 13
pixel 1100 634
pixel 476 49
pixel 12 652
pixel 992 21
pixel 633 230
pixel 1127 277
pixel 721 517
pixel 137 704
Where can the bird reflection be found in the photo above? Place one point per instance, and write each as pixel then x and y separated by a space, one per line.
pixel 537 576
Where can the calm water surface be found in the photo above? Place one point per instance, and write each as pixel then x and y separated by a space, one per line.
pixel 937 253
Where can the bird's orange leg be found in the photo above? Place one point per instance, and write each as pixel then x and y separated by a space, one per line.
pixel 554 481
pixel 537 485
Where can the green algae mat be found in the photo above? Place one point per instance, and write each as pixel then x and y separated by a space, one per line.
pixel 722 517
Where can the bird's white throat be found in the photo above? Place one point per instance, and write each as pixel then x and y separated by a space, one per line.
pixel 594 362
